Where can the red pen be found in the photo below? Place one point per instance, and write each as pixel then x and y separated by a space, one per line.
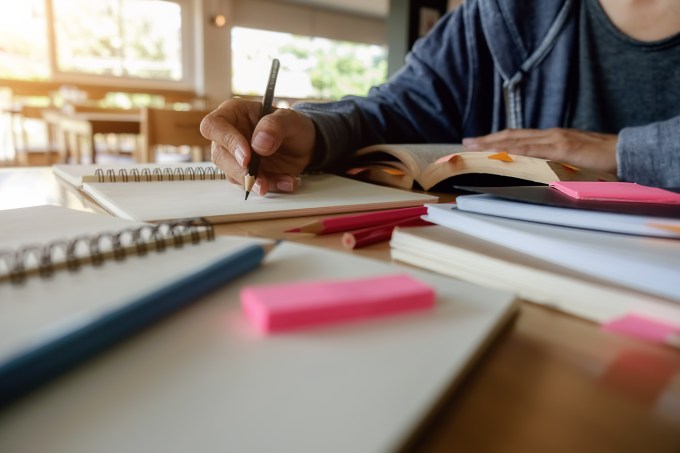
pixel 367 236
pixel 357 221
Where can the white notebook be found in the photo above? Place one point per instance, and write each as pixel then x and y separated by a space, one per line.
pixel 578 218
pixel 77 174
pixel 204 380
pixel 451 252
pixel 74 283
pixel 647 264
pixel 221 202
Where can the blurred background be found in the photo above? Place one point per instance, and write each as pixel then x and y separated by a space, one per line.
pixel 76 56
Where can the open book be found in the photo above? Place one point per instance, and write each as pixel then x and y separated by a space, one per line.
pixel 440 166
pixel 73 283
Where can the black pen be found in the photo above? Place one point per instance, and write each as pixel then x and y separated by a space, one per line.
pixel 254 164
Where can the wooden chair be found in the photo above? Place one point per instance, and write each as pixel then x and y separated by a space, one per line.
pixel 78 131
pixel 176 128
pixel 32 140
pixel 110 143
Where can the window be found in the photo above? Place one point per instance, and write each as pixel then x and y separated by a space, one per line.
pixel 311 67
pixel 142 39
pixel 129 38
pixel 23 41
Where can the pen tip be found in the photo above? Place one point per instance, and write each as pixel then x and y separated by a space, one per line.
pixel 247 193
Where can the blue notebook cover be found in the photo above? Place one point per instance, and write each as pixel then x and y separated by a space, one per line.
pixel 105 301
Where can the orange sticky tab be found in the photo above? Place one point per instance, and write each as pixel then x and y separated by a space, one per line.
pixel 503 156
pixel 569 167
pixel 356 171
pixel 393 172
pixel 450 158
pixel 661 226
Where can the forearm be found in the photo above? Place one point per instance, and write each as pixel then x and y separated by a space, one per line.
pixel 354 122
pixel 650 154
pixel 341 127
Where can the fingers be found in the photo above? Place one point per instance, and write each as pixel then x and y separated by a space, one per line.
pixel 505 138
pixel 278 183
pixel 229 125
pixel 275 183
pixel 283 125
pixel 236 173
pixel 221 157
pixel 224 160
pixel 555 143
pixel 285 137
pixel 588 149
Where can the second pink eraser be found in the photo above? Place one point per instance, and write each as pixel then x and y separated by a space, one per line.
pixel 289 306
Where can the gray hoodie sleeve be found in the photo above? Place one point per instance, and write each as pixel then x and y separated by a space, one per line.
pixel 650 154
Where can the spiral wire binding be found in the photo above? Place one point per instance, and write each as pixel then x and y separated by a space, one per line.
pixel 158 174
pixel 17 264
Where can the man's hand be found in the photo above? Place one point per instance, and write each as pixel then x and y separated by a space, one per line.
pixel 582 149
pixel 285 138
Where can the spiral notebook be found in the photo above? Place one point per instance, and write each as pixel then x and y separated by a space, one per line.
pixel 73 283
pixel 168 192
pixel 206 380
pixel 77 175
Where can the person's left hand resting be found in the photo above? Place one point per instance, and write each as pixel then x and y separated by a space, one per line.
pixel 570 146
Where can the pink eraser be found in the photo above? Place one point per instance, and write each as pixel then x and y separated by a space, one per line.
pixel 289 306
pixel 615 191
pixel 642 327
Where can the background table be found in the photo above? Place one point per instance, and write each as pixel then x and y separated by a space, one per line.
pixel 549 383
pixel 74 129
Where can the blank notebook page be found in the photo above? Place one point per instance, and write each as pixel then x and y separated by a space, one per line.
pixel 221 201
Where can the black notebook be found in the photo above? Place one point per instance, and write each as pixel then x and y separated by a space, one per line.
pixel 545 195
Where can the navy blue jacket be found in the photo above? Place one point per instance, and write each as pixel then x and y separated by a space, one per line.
pixel 486 66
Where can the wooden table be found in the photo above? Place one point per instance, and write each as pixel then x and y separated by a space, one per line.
pixel 72 129
pixel 549 383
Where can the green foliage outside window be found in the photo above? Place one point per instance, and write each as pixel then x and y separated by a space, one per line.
pixel 315 68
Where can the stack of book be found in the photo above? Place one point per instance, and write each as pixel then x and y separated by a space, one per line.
pixel 604 266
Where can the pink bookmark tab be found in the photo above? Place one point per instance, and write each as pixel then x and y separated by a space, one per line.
pixel 645 328
pixel 448 158
pixel 289 306
pixel 615 191
pixel 357 171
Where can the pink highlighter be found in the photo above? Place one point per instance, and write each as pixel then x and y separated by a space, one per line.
pixel 288 306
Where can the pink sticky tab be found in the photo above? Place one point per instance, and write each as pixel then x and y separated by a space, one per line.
pixel 644 328
pixel 448 158
pixel 615 191
pixel 356 171
pixel 289 306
